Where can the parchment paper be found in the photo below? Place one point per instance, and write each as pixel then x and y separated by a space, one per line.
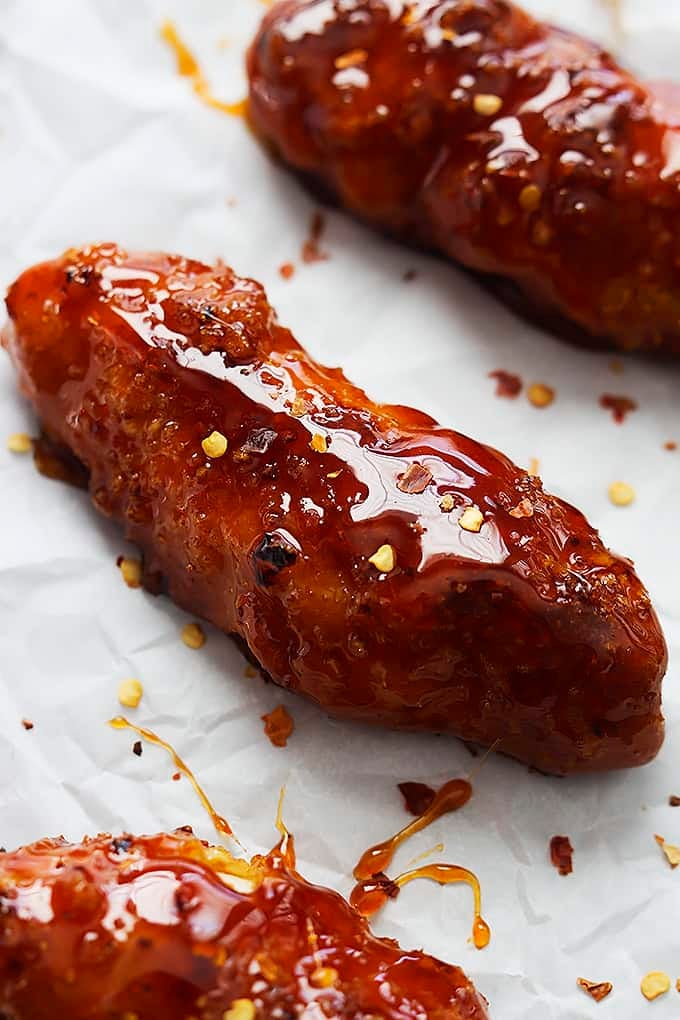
pixel 100 139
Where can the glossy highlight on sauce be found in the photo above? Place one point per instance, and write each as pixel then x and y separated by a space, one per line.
pixel 519 150
pixel 393 570
pixel 188 67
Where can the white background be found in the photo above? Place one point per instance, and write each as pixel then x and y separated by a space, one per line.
pixel 100 139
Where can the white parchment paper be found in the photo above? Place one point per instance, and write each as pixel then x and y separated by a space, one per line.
pixel 100 139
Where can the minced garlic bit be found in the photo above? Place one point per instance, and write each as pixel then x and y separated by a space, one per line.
pixel 130 693
pixel 333 474
pixel 384 559
pixel 19 442
pixel 215 445
pixel 319 443
pixel 131 571
pixel 654 984
pixel 471 519
pixel 530 197
pixel 621 493
pixel 240 1009
pixel 324 977
pixel 540 395
pixel 524 508
pixel 193 635
pixel 447 503
pixel 486 105
pixel 298 407
pixel 671 853
pixel 534 466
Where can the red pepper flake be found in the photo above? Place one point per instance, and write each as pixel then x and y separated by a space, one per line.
pixel 417 797
pixel 287 270
pixel 507 384
pixel 278 725
pixel 674 801
pixel 524 508
pixel 176 776
pixel 137 748
pixel 310 249
pixel 561 852
pixel 415 479
pixel 618 405
pixel 409 275
pixel 670 445
pixel 597 990
pixel 27 724
pixel 386 885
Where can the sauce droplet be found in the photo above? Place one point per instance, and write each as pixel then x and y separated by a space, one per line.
pixel 221 824
pixel 452 796
pixel 370 895
pixel 188 67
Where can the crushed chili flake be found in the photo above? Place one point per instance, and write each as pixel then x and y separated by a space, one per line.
pixel 561 853
pixel 137 748
pixel 386 884
pixel 524 508
pixel 507 384
pixel 415 479
pixel 287 270
pixel 409 275
pixel 670 445
pixel 27 724
pixel 176 776
pixel 278 725
pixel 311 252
pixel 597 990
pixel 674 801
pixel 619 406
pixel 671 853
pixel 417 797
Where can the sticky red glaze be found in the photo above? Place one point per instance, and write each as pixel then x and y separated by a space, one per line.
pixel 147 927
pixel 375 101
pixel 528 632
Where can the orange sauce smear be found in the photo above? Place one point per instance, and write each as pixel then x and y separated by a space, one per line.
pixel 374 888
pixel 188 67
pixel 221 824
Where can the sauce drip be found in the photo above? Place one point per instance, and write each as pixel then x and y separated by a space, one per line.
pixel 188 67
pixel 370 895
pixel 452 796
pixel 221 824
pixel 374 887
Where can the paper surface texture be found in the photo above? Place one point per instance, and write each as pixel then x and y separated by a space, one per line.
pixel 100 139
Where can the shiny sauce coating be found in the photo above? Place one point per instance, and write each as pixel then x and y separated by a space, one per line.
pixel 166 927
pixel 391 569
pixel 519 150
